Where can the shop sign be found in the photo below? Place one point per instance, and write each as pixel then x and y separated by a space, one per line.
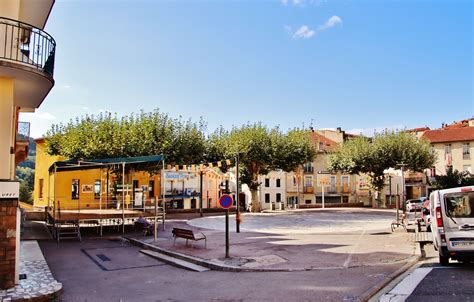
pixel 9 190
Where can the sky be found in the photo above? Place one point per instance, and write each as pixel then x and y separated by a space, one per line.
pixel 359 65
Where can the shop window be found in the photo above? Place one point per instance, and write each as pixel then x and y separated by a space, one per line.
pixel 75 189
pixel 307 201
pixel 152 188
pixel 97 189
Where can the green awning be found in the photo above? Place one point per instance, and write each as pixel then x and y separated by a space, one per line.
pixel 98 163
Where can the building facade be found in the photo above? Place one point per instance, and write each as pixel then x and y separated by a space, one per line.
pixel 27 55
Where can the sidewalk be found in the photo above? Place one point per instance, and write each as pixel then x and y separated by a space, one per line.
pixel 290 252
pixel 39 284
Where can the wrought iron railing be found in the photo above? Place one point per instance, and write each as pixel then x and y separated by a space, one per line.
pixel 24 43
pixel 23 133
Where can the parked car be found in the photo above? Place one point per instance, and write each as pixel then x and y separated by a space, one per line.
pixel 415 204
pixel 452 225
pixel 425 215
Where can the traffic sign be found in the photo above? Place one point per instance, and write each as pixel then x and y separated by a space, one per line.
pixel 226 201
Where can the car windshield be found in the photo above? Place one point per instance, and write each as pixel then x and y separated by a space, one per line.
pixel 414 201
pixel 460 205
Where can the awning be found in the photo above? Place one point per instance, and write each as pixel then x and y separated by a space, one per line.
pixel 100 163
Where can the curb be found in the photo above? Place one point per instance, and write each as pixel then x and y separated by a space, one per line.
pixel 372 292
pixel 230 268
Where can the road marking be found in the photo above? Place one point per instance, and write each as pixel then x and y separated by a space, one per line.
pixel 349 257
pixel 404 289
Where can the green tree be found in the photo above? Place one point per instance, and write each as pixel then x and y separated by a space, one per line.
pixel 386 150
pixel 260 150
pixel 453 179
pixel 26 177
pixel 107 136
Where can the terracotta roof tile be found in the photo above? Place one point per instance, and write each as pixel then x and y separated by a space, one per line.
pixel 328 144
pixel 449 134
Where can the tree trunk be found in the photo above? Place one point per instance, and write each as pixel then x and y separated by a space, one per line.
pixel 255 201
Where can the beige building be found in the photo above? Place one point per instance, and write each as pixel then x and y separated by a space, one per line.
pixel 454 145
pixel 26 76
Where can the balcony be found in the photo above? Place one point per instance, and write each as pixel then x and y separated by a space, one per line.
pixel 308 170
pixel 27 55
pixel 22 142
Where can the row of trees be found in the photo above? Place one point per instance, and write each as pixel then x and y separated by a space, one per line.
pixel 260 149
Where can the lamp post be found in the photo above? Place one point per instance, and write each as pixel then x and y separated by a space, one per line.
pixel 237 189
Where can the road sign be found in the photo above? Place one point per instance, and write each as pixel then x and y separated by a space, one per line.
pixel 226 201
pixel 324 180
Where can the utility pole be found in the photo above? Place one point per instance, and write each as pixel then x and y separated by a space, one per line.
pixel 200 192
pixel 237 215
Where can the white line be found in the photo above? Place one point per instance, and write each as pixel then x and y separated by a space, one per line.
pixel 404 289
pixel 349 258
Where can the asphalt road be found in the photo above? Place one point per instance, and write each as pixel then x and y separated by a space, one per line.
pixel 104 270
pixel 452 283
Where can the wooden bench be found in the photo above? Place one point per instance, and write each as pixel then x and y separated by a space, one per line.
pixel 188 235
pixel 423 238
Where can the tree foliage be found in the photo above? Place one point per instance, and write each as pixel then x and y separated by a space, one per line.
pixel 386 150
pixel 108 136
pixel 453 179
pixel 260 150
pixel 26 177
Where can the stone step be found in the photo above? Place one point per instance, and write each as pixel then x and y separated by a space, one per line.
pixel 175 261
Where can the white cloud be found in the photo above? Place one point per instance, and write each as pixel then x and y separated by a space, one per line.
pixel 85 108
pixel 304 32
pixel 67 86
pixel 297 2
pixel 284 2
pixel 331 22
pixel 302 3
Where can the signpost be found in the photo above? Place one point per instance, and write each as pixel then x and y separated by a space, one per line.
pixel 324 179
pixel 226 202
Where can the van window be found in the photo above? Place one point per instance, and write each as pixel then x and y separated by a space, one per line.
pixel 460 205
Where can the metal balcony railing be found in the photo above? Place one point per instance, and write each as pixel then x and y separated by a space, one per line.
pixel 27 44
pixel 23 133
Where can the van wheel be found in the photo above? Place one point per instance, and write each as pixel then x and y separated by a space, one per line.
pixel 443 260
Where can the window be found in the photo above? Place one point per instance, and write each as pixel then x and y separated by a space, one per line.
pixel 345 183
pixel 75 189
pixel 466 152
pixel 308 181
pixel 267 182
pixel 151 188
pixel 294 180
pixel 267 197
pixel 467 168
pixel 278 184
pixel 447 149
pixel 460 205
pixel 41 184
pixel 307 201
pixel 278 197
pixel 97 189
pixel 134 185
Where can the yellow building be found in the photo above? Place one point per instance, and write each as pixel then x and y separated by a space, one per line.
pixel 27 55
pixel 97 184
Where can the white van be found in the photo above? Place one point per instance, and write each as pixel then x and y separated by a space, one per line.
pixel 452 223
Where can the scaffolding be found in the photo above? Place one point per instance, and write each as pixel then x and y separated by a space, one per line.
pixel 112 210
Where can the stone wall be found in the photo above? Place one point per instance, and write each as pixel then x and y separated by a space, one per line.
pixel 8 223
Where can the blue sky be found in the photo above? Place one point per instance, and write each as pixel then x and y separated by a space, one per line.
pixel 359 65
